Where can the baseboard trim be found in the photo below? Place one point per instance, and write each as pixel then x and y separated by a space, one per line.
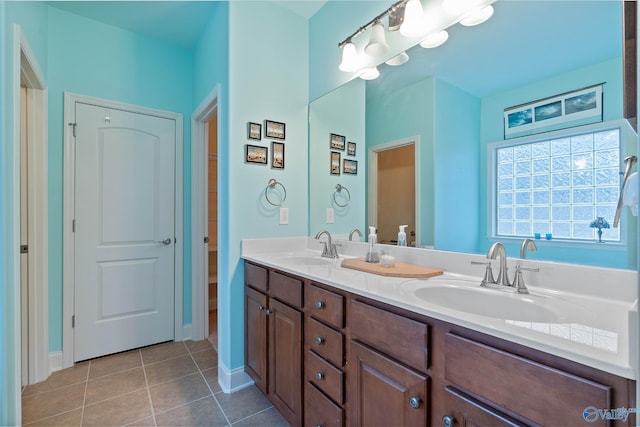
pixel 232 380
pixel 55 361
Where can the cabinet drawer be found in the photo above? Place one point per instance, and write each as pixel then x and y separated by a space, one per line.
pixel 560 397
pixel 325 305
pixel 286 289
pixel 325 376
pixel 404 339
pixel 319 410
pixel 325 341
pixel 255 276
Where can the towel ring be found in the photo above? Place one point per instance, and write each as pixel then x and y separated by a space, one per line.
pixel 339 189
pixel 272 184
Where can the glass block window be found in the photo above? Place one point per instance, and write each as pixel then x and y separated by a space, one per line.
pixel 558 186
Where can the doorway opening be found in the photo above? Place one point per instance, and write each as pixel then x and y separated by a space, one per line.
pixel 212 229
pixel 394 190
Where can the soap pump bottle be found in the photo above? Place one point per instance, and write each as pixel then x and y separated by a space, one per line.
pixel 372 255
pixel 402 235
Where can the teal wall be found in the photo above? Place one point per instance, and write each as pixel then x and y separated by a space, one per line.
pixel 456 166
pixel 268 79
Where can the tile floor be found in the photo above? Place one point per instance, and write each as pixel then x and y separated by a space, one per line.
pixel 170 384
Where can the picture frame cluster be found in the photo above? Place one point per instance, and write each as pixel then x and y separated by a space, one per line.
pixel 349 166
pixel 259 154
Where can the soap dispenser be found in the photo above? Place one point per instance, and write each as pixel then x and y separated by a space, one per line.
pixel 372 255
pixel 402 235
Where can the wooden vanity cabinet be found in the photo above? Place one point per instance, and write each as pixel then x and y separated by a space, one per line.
pixel 273 338
pixel 324 339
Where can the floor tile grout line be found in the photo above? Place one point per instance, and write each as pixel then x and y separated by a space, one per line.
pixel 254 414
pixel 84 398
pixel 146 381
pixel 224 414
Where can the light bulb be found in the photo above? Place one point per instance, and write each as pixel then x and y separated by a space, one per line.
pixel 413 24
pixel 349 58
pixel 435 39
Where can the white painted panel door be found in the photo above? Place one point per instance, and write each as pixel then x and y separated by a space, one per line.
pixel 124 231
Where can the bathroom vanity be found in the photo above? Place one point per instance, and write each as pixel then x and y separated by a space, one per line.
pixel 330 346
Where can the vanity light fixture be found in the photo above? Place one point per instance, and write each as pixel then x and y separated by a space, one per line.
pixel 377 43
pixel 435 39
pixel 370 74
pixel 399 59
pixel 408 17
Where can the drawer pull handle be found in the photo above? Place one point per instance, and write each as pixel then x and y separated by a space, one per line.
pixel 320 376
pixel 320 305
pixel 415 402
pixel 448 421
pixel 319 340
pixel 260 307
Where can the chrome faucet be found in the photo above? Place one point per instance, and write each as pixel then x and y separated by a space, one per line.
pixel 527 244
pixel 497 250
pixel 329 250
pixel 355 231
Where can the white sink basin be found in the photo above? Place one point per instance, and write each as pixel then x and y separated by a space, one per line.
pixel 471 298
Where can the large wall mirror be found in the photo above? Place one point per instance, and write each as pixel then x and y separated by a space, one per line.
pixel 451 100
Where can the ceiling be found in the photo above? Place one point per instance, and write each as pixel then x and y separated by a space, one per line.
pixel 176 22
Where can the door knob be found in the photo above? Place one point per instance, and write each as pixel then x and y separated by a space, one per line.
pixel 166 241
pixel 448 421
pixel 415 402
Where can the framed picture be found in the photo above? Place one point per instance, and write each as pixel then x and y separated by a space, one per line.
pixel 335 163
pixel 350 167
pixel 254 131
pixel 351 148
pixel 277 155
pixel 336 142
pixel 568 109
pixel 255 154
pixel 274 129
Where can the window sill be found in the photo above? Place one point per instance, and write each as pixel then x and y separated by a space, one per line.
pixel 563 243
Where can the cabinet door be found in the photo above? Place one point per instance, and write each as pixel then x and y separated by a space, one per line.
pixel 285 360
pixel 384 392
pixel 255 349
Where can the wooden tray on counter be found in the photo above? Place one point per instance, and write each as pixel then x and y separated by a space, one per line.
pixel 398 270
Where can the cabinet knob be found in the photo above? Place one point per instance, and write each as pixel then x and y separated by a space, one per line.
pixel 269 311
pixel 448 421
pixel 320 305
pixel 261 307
pixel 415 402
pixel 319 340
pixel 320 376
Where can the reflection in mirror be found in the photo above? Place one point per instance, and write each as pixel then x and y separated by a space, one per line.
pixel 339 113
pixel 453 97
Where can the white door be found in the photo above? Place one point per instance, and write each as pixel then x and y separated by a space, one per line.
pixel 124 230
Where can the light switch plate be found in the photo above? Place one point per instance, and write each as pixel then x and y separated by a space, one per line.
pixel 284 216
pixel 330 216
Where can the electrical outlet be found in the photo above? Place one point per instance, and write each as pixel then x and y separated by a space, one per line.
pixel 284 216
pixel 330 216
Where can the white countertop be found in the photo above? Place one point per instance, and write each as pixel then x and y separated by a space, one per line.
pixel 601 333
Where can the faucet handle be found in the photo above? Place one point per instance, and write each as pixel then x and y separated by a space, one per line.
pixel 488 273
pixel 518 282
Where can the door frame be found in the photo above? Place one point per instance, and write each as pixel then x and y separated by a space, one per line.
pixel 199 224
pixel 372 190
pixel 68 268
pixel 27 70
